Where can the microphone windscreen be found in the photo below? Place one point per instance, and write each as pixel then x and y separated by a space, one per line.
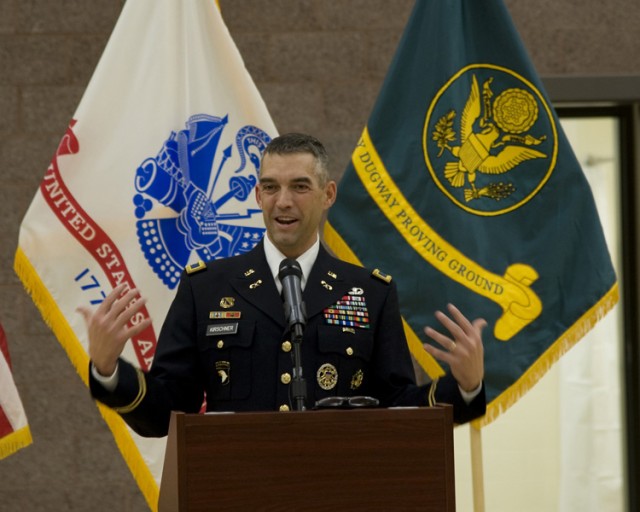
pixel 289 267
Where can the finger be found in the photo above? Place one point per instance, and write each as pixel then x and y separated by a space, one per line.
pixel 112 297
pixel 441 339
pixel 440 355
pixel 468 330
pixel 479 324
pixel 85 312
pixel 138 328
pixel 460 319
pixel 454 329
pixel 126 315
pixel 124 302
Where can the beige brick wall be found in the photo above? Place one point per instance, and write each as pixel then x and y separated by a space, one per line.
pixel 319 65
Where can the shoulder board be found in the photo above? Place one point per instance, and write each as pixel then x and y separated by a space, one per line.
pixel 377 273
pixel 195 267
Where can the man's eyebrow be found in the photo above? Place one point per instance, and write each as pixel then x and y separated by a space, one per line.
pixel 301 179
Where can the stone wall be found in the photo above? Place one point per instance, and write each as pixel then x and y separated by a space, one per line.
pixel 319 66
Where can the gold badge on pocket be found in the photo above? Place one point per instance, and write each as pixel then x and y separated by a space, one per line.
pixel 327 376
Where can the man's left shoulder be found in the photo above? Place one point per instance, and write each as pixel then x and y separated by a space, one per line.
pixel 365 274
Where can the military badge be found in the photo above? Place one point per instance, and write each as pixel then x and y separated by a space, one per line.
pixel 327 376
pixel 356 379
pixel 195 267
pixel 223 369
pixel 349 311
pixel 224 315
pixel 378 274
pixel 227 302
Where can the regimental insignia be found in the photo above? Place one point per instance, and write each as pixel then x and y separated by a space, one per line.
pixel 195 267
pixel 504 129
pixel 227 302
pixel 356 380
pixel 253 286
pixel 223 369
pixel 194 197
pixel 326 285
pixel 349 311
pixel 379 274
pixel 327 376
pixel 224 315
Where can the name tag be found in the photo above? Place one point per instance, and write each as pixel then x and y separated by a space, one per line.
pixel 220 329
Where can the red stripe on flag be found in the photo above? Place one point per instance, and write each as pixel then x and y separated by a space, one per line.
pixel 4 348
pixel 5 426
pixel 84 229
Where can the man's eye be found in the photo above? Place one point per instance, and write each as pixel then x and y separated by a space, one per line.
pixel 267 188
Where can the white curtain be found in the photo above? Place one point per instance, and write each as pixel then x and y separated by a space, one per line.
pixel 590 375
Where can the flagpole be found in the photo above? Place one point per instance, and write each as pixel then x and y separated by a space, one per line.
pixel 477 474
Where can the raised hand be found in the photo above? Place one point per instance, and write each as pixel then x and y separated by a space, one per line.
pixel 462 349
pixel 111 325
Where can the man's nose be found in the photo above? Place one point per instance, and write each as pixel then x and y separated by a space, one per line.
pixel 284 198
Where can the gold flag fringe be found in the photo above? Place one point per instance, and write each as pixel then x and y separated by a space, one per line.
pixel 15 441
pixel 529 378
pixel 54 318
pixel 544 363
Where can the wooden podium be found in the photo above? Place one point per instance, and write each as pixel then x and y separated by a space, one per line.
pixel 329 460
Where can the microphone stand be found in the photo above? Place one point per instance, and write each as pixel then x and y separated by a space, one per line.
pixel 298 384
pixel 290 275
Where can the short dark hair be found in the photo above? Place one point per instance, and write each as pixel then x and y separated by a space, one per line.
pixel 291 143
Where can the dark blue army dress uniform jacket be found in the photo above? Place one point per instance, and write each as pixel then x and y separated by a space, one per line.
pixel 225 338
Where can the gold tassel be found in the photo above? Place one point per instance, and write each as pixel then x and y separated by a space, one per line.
pixel 54 318
pixel 13 442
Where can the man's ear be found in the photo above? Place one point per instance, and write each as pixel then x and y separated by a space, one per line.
pixel 258 197
pixel 331 191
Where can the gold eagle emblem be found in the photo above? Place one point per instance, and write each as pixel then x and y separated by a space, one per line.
pixel 502 123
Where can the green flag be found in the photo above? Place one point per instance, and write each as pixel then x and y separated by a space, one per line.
pixel 463 186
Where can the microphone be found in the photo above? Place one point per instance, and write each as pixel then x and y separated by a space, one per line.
pixel 290 275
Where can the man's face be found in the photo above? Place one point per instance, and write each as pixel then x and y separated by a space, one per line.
pixel 292 201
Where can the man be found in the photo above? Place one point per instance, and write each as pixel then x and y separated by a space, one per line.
pixel 226 335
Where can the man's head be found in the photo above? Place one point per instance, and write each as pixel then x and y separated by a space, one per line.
pixel 294 191
pixel 296 143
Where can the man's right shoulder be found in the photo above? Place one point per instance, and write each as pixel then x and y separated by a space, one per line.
pixel 222 265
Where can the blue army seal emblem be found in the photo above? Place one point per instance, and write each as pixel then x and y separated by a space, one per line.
pixel 190 201
pixel 490 140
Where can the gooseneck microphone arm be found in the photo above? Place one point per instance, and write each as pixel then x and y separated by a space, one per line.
pixel 290 275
